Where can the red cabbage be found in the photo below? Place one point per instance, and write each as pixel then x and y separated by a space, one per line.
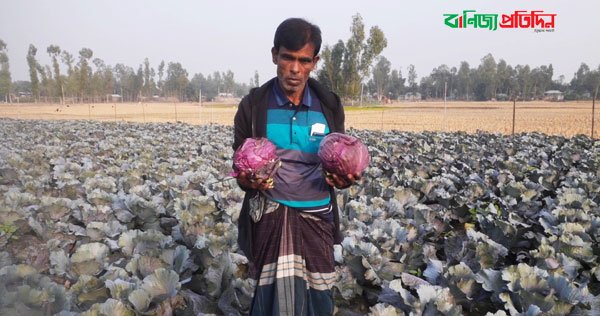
pixel 257 157
pixel 343 154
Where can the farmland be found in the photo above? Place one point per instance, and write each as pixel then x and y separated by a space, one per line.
pixel 111 216
pixel 556 118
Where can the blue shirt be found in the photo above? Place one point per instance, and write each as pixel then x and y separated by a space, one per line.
pixel 297 132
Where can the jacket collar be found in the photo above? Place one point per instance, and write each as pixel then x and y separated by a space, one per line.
pixel 308 98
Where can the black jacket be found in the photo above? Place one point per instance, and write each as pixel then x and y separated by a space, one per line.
pixel 250 121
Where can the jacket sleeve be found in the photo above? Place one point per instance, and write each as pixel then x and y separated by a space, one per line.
pixel 340 116
pixel 242 123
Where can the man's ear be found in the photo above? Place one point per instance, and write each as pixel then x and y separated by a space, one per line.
pixel 274 52
pixel 316 59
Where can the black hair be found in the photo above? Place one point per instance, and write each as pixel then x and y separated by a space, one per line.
pixel 294 33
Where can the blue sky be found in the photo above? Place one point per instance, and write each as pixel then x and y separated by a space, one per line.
pixel 207 36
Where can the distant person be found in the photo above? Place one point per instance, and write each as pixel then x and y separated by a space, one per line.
pixel 287 228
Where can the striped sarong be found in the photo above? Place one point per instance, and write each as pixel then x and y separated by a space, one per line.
pixel 294 265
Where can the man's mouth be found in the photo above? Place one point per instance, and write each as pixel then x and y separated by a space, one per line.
pixel 293 81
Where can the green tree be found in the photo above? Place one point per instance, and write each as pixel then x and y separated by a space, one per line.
pixel 396 86
pixel 33 71
pixel 54 52
pixel 149 84
pixel 330 73
pixel 229 81
pixel 427 87
pixel 256 82
pixel 524 82
pixel 585 82
pixel 197 83
pixel 125 81
pixel 46 84
pixel 103 80
pixel 412 78
pixel 5 79
pixel 542 80
pixel 381 76
pixel 359 55
pixel 70 82
pixel 177 80
pixel 440 79
pixel 161 72
pixel 506 79
pixel 138 85
pixel 488 79
pixel 464 83
pixel 85 72
pixel 218 81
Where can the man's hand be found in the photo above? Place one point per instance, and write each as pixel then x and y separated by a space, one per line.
pixel 341 182
pixel 244 180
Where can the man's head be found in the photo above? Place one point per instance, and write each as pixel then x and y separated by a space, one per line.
pixel 294 33
pixel 295 52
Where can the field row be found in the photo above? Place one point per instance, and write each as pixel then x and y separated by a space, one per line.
pixel 567 119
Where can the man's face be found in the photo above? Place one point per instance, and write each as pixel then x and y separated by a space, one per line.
pixel 294 67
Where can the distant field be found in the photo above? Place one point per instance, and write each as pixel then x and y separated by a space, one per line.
pixel 564 118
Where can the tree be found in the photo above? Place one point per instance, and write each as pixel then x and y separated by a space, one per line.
pixel 103 79
pixel 412 78
pixel 54 52
pixel 161 71
pixel 523 82
pixel 138 83
pixel 359 55
pixel 148 79
pixel 439 79
pixel 256 82
pixel 70 82
pixel 197 83
pixel 464 81
pixel 46 84
pixel 506 79
pixel 427 87
pixel 228 81
pixel 125 81
pixel 85 72
pixel 542 80
pixel 218 81
pixel 176 81
pixel 33 71
pixel 5 80
pixel 381 76
pixel 488 79
pixel 396 86
pixel 331 72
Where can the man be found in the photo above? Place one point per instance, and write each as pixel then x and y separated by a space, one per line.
pixel 288 226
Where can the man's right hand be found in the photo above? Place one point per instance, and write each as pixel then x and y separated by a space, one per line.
pixel 246 182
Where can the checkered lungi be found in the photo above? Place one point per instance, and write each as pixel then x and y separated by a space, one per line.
pixel 294 265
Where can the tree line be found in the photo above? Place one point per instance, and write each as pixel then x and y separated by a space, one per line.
pixel 490 80
pixel 355 69
pixel 91 79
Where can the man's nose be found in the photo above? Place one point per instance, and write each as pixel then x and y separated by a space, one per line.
pixel 295 67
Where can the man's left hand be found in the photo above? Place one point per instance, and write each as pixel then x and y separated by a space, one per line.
pixel 340 181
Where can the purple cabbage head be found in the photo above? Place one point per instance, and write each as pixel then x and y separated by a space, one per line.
pixel 256 156
pixel 343 154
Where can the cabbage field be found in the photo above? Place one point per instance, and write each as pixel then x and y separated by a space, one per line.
pixel 104 218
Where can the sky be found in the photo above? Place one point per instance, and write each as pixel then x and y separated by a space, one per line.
pixel 208 36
